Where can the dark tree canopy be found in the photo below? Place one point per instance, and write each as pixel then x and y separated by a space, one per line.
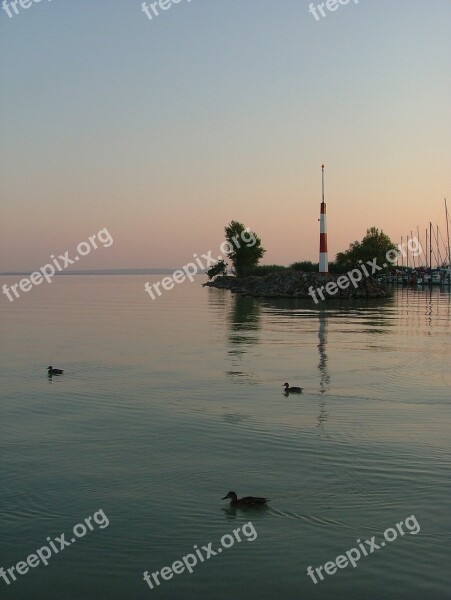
pixel 244 248
pixel 374 245
pixel 307 266
pixel 220 268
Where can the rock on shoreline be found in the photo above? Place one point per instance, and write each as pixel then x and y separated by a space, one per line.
pixel 296 284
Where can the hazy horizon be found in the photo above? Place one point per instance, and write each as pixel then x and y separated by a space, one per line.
pixel 150 271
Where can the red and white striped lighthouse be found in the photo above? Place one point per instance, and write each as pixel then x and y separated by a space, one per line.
pixel 323 262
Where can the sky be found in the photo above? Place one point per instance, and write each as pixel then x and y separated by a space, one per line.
pixel 162 131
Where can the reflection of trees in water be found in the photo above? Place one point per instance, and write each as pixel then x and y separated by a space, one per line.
pixel 292 308
pixel 244 322
pixel 217 300
pixel 244 316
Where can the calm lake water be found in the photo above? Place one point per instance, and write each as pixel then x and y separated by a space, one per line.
pixel 165 406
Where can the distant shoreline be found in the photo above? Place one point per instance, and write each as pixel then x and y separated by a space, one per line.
pixel 99 272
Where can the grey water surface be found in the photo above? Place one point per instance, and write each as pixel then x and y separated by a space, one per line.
pixel 167 405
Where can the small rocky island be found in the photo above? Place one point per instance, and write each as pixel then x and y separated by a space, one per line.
pixel 298 284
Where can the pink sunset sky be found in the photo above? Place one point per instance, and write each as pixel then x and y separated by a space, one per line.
pixel 164 131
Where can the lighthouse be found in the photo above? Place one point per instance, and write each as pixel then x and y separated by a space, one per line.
pixel 323 262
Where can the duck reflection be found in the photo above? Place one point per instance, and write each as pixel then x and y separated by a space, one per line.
pixel 232 512
pixel 234 418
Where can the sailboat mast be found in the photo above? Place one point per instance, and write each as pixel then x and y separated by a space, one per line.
pixel 439 256
pixel 430 244
pixel 407 252
pixel 420 258
pixel 447 232
pixel 414 261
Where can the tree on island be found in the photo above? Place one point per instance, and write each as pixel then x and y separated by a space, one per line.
pixel 306 266
pixel 244 248
pixel 374 245
pixel 219 269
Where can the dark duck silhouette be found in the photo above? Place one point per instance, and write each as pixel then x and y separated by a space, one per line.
pixel 292 390
pixel 246 501
pixel 52 371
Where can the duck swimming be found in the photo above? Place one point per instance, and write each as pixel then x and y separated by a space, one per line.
pixel 52 371
pixel 292 390
pixel 246 501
